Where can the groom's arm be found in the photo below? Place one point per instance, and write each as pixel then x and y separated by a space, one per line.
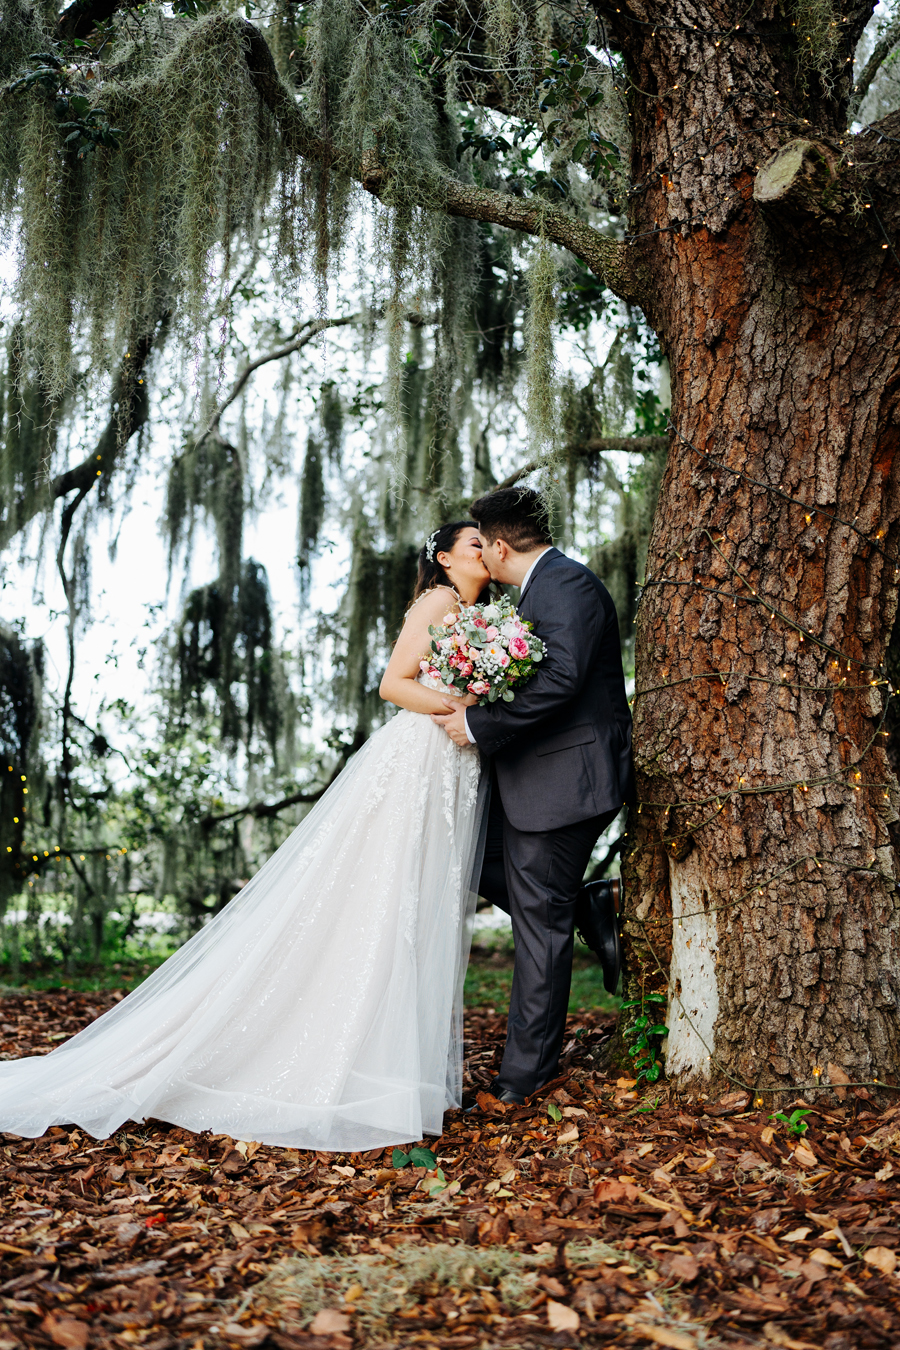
pixel 571 622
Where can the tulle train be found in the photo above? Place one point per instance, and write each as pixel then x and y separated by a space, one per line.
pixel 323 1007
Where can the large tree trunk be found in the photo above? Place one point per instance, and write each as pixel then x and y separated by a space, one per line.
pixel 763 861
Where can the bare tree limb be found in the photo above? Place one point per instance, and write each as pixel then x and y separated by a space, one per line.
pixel 300 337
pixel 263 810
pixel 634 445
pixel 309 329
pixel 80 18
pixel 889 39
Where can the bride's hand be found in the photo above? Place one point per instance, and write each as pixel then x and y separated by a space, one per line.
pixel 469 701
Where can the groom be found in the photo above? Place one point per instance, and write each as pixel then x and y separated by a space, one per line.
pixel 560 772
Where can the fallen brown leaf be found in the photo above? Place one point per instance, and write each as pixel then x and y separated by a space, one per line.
pixel 667 1336
pixel 327 1321
pixel 66 1331
pixel 561 1317
pixel 684 1268
pixel 882 1258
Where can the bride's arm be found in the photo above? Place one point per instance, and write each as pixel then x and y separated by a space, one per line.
pixel 399 682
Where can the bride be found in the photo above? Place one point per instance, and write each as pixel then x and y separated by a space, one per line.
pixel 322 1009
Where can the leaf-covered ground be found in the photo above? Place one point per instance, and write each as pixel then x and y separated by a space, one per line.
pixel 619 1223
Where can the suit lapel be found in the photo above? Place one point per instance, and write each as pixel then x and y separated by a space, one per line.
pixel 539 567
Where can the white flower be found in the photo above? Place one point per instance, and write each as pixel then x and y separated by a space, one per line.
pixel 491 613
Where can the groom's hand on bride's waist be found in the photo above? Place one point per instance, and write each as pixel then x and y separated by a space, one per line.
pixel 453 721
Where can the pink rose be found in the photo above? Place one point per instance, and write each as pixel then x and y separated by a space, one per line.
pixel 436 674
pixel 466 668
pixel 491 633
pixel 479 621
pixel 448 620
pixel 504 660
pixel 478 687
pixel 518 647
pixel 423 665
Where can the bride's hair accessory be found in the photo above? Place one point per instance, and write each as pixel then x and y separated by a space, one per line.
pixel 430 544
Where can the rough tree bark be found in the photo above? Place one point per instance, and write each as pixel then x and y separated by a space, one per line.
pixel 763 865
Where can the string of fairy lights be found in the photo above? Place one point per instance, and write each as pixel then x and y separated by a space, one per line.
pixel 850 775
pixel 57 853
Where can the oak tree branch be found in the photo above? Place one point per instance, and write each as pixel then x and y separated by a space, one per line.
pixel 610 259
pixel 596 445
pixel 889 39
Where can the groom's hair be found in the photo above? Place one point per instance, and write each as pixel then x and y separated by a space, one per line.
pixel 518 516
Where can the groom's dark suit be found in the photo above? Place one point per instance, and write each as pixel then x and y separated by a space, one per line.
pixel 561 770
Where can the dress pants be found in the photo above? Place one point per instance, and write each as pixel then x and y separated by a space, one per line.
pixel 535 877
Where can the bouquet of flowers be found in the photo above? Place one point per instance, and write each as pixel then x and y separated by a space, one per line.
pixel 484 650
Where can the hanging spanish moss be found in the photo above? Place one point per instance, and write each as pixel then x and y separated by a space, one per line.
pixel 27 431
pixel 21 680
pixel 312 511
pixel 818 40
pixel 539 348
pixel 173 155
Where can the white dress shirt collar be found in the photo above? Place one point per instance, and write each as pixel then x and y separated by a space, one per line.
pixel 527 576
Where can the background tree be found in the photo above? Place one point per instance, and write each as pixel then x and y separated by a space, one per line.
pixel 697 162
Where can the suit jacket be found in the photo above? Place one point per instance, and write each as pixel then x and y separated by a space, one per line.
pixel 562 747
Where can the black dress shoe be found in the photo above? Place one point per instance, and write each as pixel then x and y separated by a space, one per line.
pixel 598 927
pixel 505 1095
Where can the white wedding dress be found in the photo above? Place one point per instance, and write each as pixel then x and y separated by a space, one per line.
pixel 322 1008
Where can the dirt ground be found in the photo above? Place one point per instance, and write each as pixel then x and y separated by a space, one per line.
pixel 593 1216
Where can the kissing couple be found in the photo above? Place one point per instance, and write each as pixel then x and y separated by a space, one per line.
pixel 322 1007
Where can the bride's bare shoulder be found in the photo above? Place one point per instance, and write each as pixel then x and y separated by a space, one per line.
pixel 431 606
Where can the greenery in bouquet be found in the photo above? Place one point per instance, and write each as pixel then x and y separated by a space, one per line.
pixel 485 650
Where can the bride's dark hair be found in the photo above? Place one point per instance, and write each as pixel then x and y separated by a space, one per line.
pixel 431 573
